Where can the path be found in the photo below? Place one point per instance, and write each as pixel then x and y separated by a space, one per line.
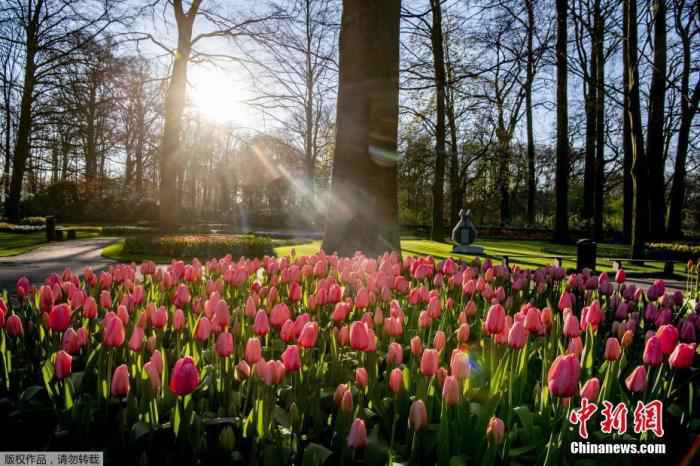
pixel 54 258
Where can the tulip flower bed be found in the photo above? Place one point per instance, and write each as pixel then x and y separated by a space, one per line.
pixel 321 360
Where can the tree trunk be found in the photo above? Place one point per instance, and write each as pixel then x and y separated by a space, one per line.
pixel 561 223
pixel 363 211
pixel 91 143
pixel 456 196
pixel 599 166
pixel 174 106
pixel 438 230
pixel 589 165
pixel 531 183
pixel 23 143
pixel 628 185
pixel 640 210
pixel 655 125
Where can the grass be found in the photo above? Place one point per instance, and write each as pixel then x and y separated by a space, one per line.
pixel 496 249
pixel 12 244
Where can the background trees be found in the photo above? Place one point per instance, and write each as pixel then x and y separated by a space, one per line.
pixel 96 111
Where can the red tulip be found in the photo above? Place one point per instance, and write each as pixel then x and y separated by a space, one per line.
pixel 90 308
pixel 224 344
pixel 565 301
pixel 291 358
pixel 185 377
pixel 590 389
pixel 652 352
pixel 59 317
pixel 429 362
pixel 159 318
pixel 563 376
pixel 295 292
pixel 63 364
pixel 637 380
pixel 14 325
pixel 417 415
pixel 517 337
pixel 358 434
pixel 682 356
pixel 668 337
pixel 120 381
pixel 361 377
pixel 105 299
pixel 612 349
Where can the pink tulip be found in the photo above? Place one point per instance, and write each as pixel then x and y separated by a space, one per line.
pixel 590 389
pixel 394 354
pixel 517 337
pixel 417 415
pixel 637 380
pixel 179 321
pixel 565 301
pixel 295 292
pixel 120 381
pixel 153 376
pixel 682 356
pixel 159 318
pixel 113 333
pixel 339 392
pixel 253 350
pixel 563 376
pixel 359 338
pixel 652 352
pixel 362 298
pixel 203 330
pixel 450 391
pixel 279 315
pixel 185 376
pixel 261 326
pixel 90 308
pixel 62 365
pixel 358 434
pixel 157 361
pixel 495 320
pixel 395 380
pixel 460 365
pixel 416 346
pixel 439 340
pixel 496 430
pixel 361 377
pixel 224 344
pixel 346 402
pixel 463 333
pixel 105 299
pixel 571 326
pixel 59 317
pixel 291 358
pixel 136 339
pixel 429 362
pixel 309 335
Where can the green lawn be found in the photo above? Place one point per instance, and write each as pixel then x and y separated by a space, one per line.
pixel 496 249
pixel 12 244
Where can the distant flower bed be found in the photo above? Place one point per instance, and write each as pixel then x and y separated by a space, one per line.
pixel 126 230
pixel 202 246
pixel 674 251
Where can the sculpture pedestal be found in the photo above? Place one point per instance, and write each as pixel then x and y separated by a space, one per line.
pixel 464 249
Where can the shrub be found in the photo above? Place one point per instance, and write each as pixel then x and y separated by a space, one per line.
pixel 674 251
pixel 201 246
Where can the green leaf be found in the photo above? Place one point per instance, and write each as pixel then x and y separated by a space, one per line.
pixel 30 392
pixel 315 454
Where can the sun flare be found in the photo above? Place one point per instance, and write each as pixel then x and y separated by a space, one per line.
pixel 218 96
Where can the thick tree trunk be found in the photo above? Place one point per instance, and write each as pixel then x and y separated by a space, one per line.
pixel 561 222
pixel 438 230
pixel 640 210
pixel 599 166
pixel 455 195
pixel 655 125
pixel 589 163
pixel 174 106
pixel 91 143
pixel 531 184
pixel 363 210
pixel 23 143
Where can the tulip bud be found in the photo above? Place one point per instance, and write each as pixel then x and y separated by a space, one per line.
pixel 496 430
pixel 120 381
pixel 637 380
pixel 361 377
pixel 563 376
pixel 358 434
pixel 253 350
pixel 224 344
pixel 450 391
pixel 652 352
pixel 153 376
pixel 63 364
pixel 395 380
pixel 416 346
pixel 346 402
pixel 495 320
pixel 291 358
pixel 517 337
pixel 682 356
pixel 359 337
pixel 394 354
pixel 429 362
pixel 612 349
pixel 590 389
pixel 668 337
pixel 185 376
pixel 417 416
